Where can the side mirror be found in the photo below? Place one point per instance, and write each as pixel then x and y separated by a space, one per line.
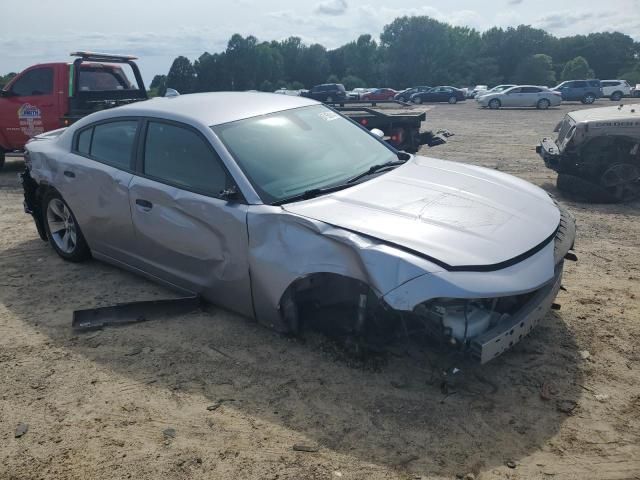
pixel 377 132
pixel 230 193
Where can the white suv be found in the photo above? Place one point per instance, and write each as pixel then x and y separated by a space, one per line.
pixel 615 89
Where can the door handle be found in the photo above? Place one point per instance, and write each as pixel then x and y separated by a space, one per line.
pixel 70 174
pixel 145 204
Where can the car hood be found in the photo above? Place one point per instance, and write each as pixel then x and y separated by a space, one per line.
pixel 460 216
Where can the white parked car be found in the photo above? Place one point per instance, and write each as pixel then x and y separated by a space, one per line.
pixel 496 89
pixel 615 89
pixel 471 93
pixel 521 96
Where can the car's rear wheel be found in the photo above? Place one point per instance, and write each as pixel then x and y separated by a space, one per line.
pixel 588 99
pixel 417 100
pixel 622 180
pixel 62 229
pixel 543 104
pixel 453 100
pixel 616 96
pixel 494 104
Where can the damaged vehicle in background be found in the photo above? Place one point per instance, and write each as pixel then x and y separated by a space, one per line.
pixel 285 211
pixel 597 153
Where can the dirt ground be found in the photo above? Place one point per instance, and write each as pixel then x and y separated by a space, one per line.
pixel 132 402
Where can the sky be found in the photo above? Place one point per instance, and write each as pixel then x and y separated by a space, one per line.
pixel 36 31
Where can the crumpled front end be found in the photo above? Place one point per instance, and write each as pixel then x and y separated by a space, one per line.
pixel 488 312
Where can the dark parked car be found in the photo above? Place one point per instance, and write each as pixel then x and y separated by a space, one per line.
pixel 379 94
pixel 585 91
pixel 327 92
pixel 439 94
pixel 405 95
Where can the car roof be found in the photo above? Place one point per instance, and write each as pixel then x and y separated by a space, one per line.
pixel 214 108
pixel 629 112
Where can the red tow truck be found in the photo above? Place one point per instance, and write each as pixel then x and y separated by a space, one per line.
pixel 49 96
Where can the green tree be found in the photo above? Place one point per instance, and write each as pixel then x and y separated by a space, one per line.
pixel 4 79
pixel 333 78
pixel 631 75
pixel 535 70
pixel 266 86
pixel 351 81
pixel 576 69
pixel 182 75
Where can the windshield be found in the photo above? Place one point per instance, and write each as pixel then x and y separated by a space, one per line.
pixel 286 153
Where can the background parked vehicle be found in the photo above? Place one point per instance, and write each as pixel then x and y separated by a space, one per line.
pixel 472 92
pixel 405 95
pixel 285 91
pixel 635 91
pixel 615 89
pixel 356 93
pixel 496 89
pixel 48 96
pixel 327 92
pixel 439 94
pixel 379 94
pixel 521 96
pixel 585 91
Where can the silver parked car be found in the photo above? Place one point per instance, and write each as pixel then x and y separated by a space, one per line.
pixel 270 205
pixel 521 96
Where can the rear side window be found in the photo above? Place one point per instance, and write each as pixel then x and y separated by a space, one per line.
pixel 38 81
pixel 112 143
pixel 179 156
pixel 530 90
pixel 579 84
pixel 84 141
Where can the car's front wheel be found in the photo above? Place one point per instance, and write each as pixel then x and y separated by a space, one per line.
pixel 494 104
pixel 62 229
pixel 417 100
pixel 543 104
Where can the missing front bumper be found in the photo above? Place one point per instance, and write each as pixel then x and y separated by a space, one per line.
pixel 503 336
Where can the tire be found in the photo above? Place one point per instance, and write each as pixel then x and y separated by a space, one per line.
pixel 453 100
pixel 417 100
pixel 543 104
pixel 616 96
pixel 583 189
pixel 67 240
pixel 588 99
pixel 494 104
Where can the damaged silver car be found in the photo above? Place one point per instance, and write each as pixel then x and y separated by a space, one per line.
pixel 274 206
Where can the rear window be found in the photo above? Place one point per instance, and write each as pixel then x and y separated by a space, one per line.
pixel 110 143
pixel 97 79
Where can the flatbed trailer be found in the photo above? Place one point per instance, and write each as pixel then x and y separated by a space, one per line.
pixel 402 130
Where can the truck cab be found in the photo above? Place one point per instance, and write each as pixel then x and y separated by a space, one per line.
pixel 49 96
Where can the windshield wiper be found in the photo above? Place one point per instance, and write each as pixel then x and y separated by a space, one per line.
pixel 375 168
pixel 312 193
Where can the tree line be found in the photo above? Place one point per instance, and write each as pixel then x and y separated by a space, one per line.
pixel 411 51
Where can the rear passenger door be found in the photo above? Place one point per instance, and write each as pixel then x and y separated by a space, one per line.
pixel 186 234
pixel 530 96
pixel 94 180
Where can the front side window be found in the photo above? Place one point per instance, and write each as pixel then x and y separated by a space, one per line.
pixel 286 153
pixel 38 81
pixel 179 156
pixel 514 90
pixel 112 143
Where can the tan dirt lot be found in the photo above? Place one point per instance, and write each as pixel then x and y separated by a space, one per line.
pixel 97 404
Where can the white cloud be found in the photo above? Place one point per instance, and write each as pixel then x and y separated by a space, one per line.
pixel 332 7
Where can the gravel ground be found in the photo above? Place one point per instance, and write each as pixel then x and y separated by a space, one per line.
pixel 212 395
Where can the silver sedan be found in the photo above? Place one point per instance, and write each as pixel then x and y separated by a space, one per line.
pixel 521 96
pixel 276 207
